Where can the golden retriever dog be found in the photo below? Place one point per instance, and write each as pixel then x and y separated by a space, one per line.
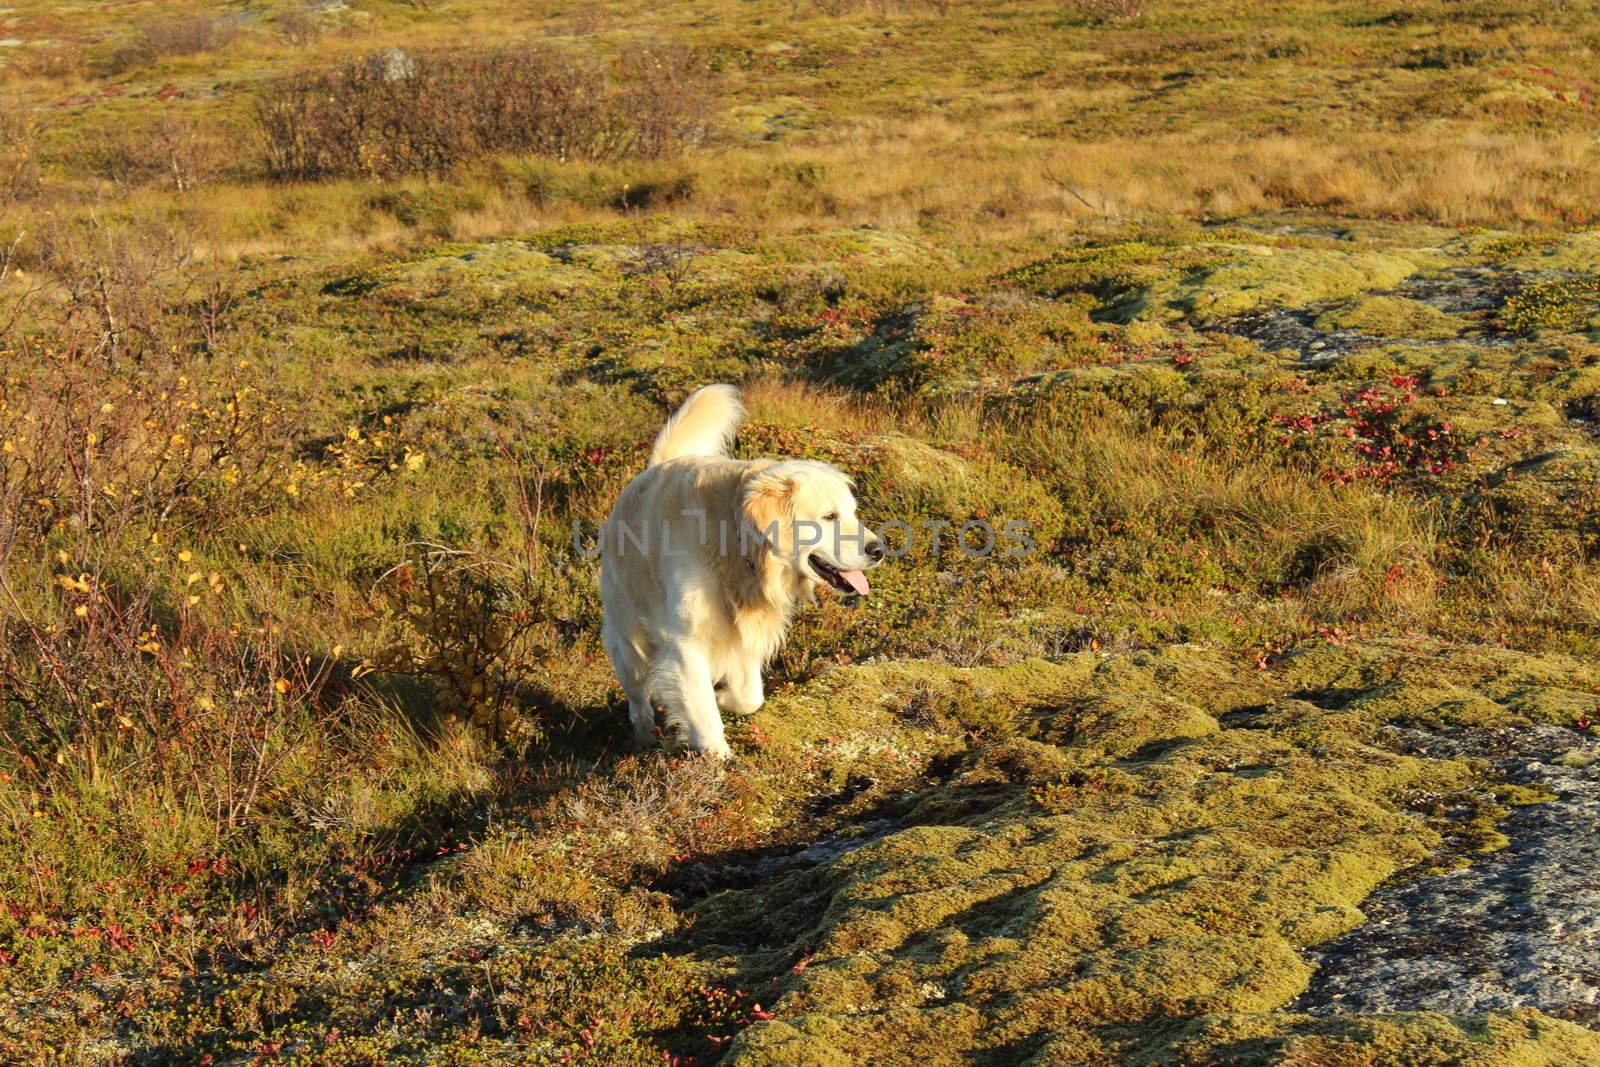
pixel 704 561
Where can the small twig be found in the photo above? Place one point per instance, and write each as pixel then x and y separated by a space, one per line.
pixel 1085 201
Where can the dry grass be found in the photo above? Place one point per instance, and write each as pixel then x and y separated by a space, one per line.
pixel 998 156
pixel 935 176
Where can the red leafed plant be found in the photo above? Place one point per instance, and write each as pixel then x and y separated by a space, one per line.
pixel 1390 439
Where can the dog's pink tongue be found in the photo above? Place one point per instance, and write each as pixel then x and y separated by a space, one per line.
pixel 857 580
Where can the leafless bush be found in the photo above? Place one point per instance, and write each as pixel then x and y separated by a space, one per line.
pixel 113 294
pixel 19 163
pixel 182 35
pixel 214 290
pixel 17 292
pixel 298 29
pixel 187 35
pixel 55 61
pixel 118 284
pixel 394 114
pixel 102 450
pixel 169 152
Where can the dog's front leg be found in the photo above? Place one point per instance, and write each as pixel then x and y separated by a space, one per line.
pixel 741 691
pixel 680 681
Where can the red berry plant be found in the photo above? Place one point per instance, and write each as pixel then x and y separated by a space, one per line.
pixel 1391 440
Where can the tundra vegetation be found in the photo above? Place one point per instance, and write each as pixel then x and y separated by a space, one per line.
pixel 321 324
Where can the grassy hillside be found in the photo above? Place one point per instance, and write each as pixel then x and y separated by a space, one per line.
pixel 323 326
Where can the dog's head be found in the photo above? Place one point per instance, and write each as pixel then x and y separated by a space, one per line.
pixel 800 517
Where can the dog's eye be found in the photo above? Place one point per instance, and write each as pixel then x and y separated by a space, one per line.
pixel 832 516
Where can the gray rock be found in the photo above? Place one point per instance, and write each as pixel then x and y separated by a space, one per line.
pixel 1517 928
pixel 392 65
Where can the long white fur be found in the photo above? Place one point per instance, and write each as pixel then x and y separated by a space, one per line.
pixel 703 426
pixel 694 610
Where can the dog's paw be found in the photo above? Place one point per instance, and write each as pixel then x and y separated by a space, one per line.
pixel 718 751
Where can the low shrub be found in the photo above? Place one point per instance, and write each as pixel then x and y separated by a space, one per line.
pixel 298 29
pixel 117 283
pixel 463 622
pixel 169 153
pixel 105 451
pixel 181 35
pixel 1557 304
pixel 392 114
pixel 19 163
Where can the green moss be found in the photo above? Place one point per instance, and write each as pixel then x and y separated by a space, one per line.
pixel 1391 316
pixel 1518 1038
pixel 1549 499
pixel 1161 866
pixel 774 119
pixel 1260 277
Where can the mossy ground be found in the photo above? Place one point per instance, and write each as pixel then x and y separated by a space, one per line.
pixel 1083 804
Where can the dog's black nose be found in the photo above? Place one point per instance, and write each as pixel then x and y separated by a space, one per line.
pixel 874 551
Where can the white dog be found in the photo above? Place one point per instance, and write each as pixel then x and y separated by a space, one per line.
pixel 703 562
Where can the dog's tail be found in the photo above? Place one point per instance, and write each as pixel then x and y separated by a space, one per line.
pixel 704 426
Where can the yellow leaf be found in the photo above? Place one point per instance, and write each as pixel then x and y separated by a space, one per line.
pixel 81 612
pixel 281 685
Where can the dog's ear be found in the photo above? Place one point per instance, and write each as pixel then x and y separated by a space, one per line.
pixel 766 498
